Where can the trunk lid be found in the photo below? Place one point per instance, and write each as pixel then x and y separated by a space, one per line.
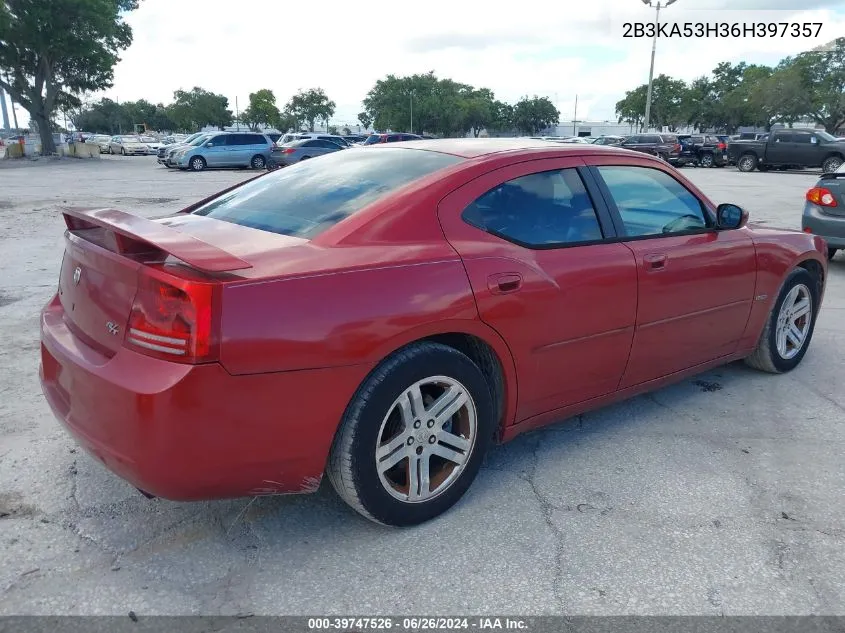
pixel 835 184
pixel 105 251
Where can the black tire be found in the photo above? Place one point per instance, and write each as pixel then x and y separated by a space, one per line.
pixel 831 252
pixel 766 356
pixel 197 163
pixel 352 462
pixel 706 160
pixel 831 164
pixel 258 162
pixel 123 151
pixel 783 167
pixel 746 163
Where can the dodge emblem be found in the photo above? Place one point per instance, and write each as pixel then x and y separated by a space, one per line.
pixel 113 328
pixel 77 275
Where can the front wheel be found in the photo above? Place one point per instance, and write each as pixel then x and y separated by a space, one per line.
pixel 788 331
pixel 746 162
pixel 197 163
pixel 258 162
pixel 412 440
pixel 831 164
pixel 706 160
pixel 123 151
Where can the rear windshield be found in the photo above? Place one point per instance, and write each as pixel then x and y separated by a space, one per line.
pixel 312 196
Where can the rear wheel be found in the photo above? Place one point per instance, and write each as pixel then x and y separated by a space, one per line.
pixel 706 160
pixel 258 162
pixel 831 252
pixel 746 162
pixel 197 163
pixel 123 151
pixel 831 164
pixel 412 439
pixel 788 331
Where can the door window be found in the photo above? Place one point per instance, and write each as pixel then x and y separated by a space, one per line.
pixel 540 210
pixel 651 202
pixel 801 137
pixel 783 137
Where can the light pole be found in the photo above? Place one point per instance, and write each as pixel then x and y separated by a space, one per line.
pixel 657 7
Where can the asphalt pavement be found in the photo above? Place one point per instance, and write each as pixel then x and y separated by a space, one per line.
pixel 724 494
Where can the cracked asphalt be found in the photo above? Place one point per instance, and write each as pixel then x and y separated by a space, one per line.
pixel 724 494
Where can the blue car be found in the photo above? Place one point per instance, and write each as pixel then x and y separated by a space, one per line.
pixel 226 149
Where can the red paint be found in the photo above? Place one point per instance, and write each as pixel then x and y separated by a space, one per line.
pixel 294 326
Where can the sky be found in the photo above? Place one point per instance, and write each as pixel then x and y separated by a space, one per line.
pixel 532 47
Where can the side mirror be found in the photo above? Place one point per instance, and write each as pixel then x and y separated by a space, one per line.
pixel 730 216
pixel 209 144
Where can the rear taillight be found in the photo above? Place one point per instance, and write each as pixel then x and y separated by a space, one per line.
pixel 173 319
pixel 821 196
pixel 288 150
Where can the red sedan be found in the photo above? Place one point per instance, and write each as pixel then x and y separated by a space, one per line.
pixel 382 315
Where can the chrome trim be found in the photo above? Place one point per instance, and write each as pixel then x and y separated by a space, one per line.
pixel 157 337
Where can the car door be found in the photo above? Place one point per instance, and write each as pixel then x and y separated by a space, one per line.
pixel 633 142
pixel 806 149
pixel 696 283
pixel 781 150
pixel 537 247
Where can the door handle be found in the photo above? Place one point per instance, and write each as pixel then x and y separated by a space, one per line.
pixel 655 261
pixel 503 283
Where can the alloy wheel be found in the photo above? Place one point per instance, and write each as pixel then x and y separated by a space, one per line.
pixel 426 439
pixel 794 320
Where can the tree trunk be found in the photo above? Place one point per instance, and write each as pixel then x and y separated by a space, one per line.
pixel 45 131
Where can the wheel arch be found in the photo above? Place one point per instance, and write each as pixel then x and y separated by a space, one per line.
pixel 482 345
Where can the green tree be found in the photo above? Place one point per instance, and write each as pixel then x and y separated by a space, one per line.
pixel 822 74
pixel 262 110
pixel 365 120
pixel 631 108
pixel 346 131
pixel 502 118
pixel 194 109
pixel 104 117
pixel 52 51
pixel 479 110
pixel 310 106
pixel 532 114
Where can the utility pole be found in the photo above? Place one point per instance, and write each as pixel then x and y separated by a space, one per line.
pixel 412 112
pixel 575 118
pixel 237 115
pixel 5 111
pixel 653 49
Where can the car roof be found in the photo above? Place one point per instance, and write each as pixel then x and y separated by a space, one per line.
pixel 478 147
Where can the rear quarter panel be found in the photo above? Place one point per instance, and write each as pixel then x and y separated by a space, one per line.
pixel 778 252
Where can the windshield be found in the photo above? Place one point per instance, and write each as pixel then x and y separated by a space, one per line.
pixel 827 138
pixel 312 196
pixel 130 139
pixel 199 140
pixel 149 139
pixel 373 138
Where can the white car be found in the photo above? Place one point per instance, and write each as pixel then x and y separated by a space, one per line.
pixel 128 145
pixel 153 143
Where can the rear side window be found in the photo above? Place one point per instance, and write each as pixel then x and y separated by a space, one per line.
pixel 651 202
pixel 255 139
pixel 312 196
pixel 541 210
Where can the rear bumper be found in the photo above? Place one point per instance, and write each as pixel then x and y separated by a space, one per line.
pixel 831 228
pixel 186 432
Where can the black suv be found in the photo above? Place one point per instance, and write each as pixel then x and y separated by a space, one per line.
pixel 664 146
pixel 704 150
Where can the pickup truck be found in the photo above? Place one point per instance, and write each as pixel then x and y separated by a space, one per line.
pixel 789 148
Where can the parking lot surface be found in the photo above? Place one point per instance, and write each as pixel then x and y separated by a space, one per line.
pixel 724 494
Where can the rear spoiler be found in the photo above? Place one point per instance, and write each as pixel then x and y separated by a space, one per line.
pixel 132 231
